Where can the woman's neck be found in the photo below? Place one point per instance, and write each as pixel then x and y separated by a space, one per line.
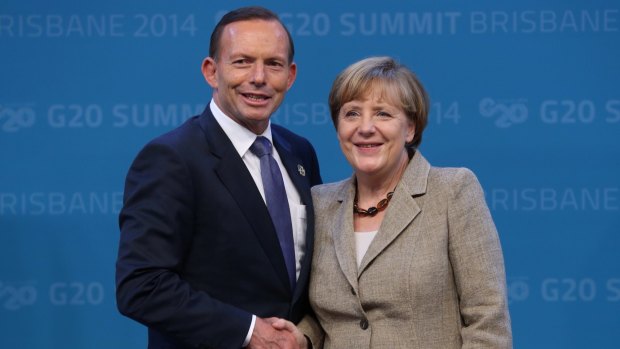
pixel 371 188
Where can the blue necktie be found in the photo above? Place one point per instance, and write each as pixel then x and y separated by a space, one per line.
pixel 277 203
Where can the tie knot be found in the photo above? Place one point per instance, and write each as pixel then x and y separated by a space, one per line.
pixel 261 146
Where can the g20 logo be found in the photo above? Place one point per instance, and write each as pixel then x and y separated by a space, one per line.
pixel 518 290
pixel 76 293
pixel 14 119
pixel 506 114
pixel 16 297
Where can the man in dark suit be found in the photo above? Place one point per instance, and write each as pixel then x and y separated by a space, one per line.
pixel 200 262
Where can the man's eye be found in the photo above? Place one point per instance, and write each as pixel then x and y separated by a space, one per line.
pixel 276 64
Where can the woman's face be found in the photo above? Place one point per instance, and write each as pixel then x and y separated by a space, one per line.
pixel 372 132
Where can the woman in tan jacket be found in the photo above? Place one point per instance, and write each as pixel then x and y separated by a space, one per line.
pixel 406 255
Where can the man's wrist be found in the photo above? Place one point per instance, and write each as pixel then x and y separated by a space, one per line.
pixel 249 335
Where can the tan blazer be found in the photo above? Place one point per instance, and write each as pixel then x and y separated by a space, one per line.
pixel 433 277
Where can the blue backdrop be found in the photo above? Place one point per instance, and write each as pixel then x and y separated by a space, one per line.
pixel 524 93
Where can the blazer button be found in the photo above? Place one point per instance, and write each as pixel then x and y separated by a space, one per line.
pixel 364 324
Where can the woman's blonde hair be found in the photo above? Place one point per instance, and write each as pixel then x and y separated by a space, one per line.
pixel 392 79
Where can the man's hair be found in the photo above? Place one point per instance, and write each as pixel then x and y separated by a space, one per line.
pixel 246 14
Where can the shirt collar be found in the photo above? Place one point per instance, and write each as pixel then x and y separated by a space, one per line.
pixel 241 137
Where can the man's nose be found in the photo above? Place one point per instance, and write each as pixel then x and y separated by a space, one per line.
pixel 258 74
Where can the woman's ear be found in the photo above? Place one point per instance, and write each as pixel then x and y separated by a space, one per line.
pixel 410 133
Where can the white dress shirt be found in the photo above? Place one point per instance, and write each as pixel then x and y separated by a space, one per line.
pixel 242 139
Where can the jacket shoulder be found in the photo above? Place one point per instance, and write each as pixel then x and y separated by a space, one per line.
pixel 451 176
pixel 298 143
pixel 454 182
pixel 188 132
pixel 324 194
pixel 288 134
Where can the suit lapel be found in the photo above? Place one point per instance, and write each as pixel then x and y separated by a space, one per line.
pixel 235 176
pixel 296 172
pixel 403 208
pixel 342 233
pixel 294 166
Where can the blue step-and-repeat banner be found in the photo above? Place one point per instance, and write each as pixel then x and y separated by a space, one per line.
pixel 525 93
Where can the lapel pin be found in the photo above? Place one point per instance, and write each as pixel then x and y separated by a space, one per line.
pixel 301 170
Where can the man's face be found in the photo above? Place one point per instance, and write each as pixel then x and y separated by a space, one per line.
pixel 252 73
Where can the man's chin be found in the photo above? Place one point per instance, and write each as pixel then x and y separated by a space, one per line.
pixel 258 116
pixel 256 124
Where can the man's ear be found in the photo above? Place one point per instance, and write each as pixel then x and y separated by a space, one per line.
pixel 292 74
pixel 209 71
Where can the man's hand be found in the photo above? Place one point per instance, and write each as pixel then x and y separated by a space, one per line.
pixel 282 324
pixel 265 336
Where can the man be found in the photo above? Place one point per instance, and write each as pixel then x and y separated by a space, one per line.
pixel 201 261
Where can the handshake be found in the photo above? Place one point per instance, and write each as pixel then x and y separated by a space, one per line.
pixel 277 333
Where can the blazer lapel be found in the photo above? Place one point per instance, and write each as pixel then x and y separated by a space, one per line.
pixel 342 233
pixel 403 208
pixel 235 176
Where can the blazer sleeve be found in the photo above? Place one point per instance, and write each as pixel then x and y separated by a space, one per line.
pixel 156 230
pixel 310 327
pixel 478 266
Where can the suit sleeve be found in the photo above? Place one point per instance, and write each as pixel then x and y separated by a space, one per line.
pixel 478 265
pixel 156 230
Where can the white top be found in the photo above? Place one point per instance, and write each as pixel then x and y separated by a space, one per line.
pixel 362 241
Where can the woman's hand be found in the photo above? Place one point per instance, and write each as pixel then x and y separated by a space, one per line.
pixel 282 324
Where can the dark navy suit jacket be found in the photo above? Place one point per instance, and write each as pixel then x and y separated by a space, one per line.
pixel 198 252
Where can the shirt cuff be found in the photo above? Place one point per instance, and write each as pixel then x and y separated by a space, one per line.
pixel 249 335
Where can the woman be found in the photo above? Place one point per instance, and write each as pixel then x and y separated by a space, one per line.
pixel 406 255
